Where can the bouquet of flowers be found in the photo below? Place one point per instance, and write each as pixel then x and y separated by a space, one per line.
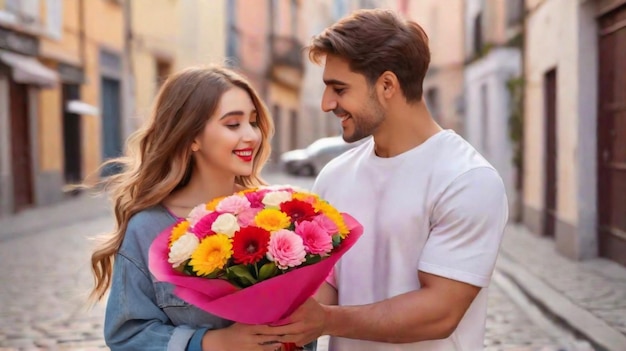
pixel 253 257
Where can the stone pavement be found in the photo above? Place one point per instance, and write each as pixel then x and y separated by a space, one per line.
pixel 588 297
pixel 45 275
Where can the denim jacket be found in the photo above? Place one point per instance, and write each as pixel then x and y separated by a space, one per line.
pixel 142 313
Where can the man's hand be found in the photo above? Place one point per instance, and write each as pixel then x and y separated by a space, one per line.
pixel 306 324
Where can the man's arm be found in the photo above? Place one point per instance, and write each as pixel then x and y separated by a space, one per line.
pixel 432 312
pixel 326 294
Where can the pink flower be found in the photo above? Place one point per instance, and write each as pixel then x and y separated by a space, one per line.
pixel 256 198
pixel 316 239
pixel 234 204
pixel 246 218
pixel 203 227
pixel 196 214
pixel 326 223
pixel 286 249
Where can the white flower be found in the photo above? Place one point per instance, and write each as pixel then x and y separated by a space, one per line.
pixel 226 223
pixel 275 198
pixel 196 214
pixel 182 249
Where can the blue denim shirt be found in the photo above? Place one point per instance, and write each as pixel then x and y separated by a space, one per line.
pixel 142 313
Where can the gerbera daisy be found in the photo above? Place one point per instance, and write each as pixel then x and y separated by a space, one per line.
pixel 250 245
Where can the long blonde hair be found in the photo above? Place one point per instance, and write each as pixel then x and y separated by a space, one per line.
pixel 158 156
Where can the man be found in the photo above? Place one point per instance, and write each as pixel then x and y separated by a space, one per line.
pixel 433 209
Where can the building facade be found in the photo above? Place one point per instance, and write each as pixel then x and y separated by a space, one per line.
pixel 493 70
pixel 574 157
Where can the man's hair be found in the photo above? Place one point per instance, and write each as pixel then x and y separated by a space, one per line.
pixel 374 41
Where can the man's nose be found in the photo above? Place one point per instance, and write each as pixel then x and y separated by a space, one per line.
pixel 328 102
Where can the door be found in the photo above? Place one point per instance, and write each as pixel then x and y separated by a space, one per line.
pixel 21 161
pixel 612 136
pixel 111 122
pixel 550 186
pixel 71 137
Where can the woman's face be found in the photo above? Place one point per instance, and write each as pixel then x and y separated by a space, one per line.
pixel 231 138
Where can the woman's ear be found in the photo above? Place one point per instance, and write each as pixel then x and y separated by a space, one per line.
pixel 194 146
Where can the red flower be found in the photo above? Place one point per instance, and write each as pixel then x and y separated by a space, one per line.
pixel 298 210
pixel 250 245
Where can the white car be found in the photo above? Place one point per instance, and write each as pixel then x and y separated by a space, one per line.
pixel 309 161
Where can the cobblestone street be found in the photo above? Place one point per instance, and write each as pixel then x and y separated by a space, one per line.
pixel 46 278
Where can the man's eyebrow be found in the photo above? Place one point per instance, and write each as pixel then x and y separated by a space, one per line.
pixel 334 82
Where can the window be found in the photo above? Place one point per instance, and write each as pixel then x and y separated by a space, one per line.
pixel 484 107
pixel 232 45
pixel 514 11
pixel 163 70
pixel 54 18
pixel 478 33
pixel 294 17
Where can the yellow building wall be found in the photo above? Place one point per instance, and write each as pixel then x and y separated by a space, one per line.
pixel 51 130
pixel 50 119
pixel 104 24
pixel 154 36
pixel 67 49
pixel 183 33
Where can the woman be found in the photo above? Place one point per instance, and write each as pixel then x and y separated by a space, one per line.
pixel 207 137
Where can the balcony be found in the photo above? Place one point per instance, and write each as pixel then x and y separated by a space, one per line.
pixel 287 51
pixel 287 63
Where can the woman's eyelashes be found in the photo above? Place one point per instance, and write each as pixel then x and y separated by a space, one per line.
pixel 235 125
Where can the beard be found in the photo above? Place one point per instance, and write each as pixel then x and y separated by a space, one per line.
pixel 366 121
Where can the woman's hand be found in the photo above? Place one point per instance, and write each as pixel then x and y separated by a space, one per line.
pixel 240 337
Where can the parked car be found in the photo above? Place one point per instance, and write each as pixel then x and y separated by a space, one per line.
pixel 311 160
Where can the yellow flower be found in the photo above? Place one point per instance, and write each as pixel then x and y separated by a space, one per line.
pixel 211 205
pixel 212 254
pixel 306 197
pixel 179 230
pixel 249 190
pixel 334 215
pixel 272 220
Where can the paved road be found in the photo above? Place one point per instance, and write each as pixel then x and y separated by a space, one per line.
pixel 46 277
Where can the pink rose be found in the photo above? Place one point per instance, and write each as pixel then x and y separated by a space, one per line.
pixel 203 227
pixel 196 214
pixel 326 223
pixel 286 249
pixel 316 239
pixel 246 218
pixel 234 204
pixel 256 198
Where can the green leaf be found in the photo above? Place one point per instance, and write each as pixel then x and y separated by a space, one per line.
pixel 241 273
pixel 312 259
pixel 336 240
pixel 268 270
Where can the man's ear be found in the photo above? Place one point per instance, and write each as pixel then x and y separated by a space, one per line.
pixel 389 84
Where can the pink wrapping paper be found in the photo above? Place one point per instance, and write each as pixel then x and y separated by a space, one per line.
pixel 267 302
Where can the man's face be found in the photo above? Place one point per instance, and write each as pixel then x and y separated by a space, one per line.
pixel 349 97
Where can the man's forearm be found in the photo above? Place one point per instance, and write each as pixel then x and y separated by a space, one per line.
pixel 411 317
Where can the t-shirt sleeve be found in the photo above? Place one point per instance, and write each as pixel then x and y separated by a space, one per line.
pixel 466 228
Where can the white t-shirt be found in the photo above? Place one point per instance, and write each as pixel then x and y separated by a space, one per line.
pixel 439 208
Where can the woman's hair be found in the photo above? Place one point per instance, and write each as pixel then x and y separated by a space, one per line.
pixel 377 40
pixel 158 157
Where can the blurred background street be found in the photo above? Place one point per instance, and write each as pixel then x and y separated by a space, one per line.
pixel 537 86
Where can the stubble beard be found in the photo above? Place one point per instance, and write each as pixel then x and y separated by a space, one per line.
pixel 371 118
